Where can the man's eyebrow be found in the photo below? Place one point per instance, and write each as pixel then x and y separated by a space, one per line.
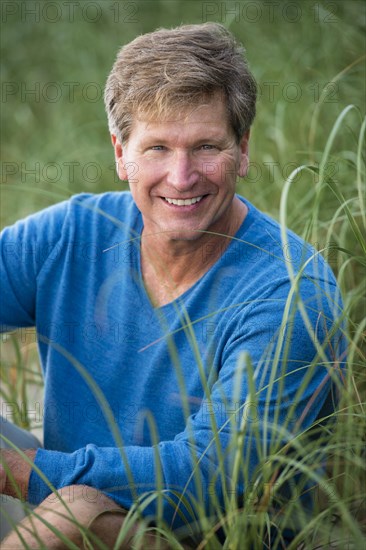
pixel 200 138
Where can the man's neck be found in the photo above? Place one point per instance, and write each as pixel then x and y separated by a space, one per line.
pixel 171 268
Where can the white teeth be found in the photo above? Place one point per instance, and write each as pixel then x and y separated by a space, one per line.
pixel 183 202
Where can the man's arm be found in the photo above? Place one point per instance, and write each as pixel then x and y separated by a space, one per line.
pixel 289 387
pixel 21 253
pixel 190 464
pixel 24 247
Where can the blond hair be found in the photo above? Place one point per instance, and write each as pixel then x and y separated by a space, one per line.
pixel 165 71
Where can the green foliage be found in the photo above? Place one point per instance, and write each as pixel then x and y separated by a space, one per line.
pixel 308 171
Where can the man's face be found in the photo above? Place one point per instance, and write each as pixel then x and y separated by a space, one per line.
pixel 182 173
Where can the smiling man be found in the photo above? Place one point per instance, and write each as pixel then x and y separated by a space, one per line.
pixel 182 177
pixel 166 313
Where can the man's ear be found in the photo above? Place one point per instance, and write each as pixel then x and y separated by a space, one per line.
pixel 118 155
pixel 244 155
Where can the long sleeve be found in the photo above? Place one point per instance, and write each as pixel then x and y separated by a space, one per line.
pixel 255 367
pixel 25 248
pixel 268 405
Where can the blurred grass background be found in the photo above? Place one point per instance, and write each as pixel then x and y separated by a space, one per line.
pixel 56 57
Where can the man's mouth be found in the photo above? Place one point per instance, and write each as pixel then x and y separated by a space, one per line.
pixel 183 202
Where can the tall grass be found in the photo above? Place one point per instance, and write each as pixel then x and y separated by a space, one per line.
pixel 308 171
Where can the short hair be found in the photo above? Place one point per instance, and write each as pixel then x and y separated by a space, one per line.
pixel 165 71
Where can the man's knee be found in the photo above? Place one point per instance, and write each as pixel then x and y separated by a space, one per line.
pixel 78 495
pixel 69 512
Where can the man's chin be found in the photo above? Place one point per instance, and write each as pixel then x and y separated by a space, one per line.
pixel 183 235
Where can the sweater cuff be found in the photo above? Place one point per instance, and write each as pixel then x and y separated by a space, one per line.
pixel 55 468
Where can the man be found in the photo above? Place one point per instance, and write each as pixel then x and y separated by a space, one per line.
pixel 182 340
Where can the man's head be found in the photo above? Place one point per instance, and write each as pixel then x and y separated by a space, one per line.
pixel 164 72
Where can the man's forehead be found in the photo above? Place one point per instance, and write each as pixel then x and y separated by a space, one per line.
pixel 179 112
pixel 156 125
pixel 180 129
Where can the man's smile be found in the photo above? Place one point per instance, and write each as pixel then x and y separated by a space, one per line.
pixel 183 202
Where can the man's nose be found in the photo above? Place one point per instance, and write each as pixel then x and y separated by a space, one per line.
pixel 182 171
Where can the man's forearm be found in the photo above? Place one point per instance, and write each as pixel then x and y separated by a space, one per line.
pixel 14 477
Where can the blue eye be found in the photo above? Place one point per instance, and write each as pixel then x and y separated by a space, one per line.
pixel 158 147
pixel 207 147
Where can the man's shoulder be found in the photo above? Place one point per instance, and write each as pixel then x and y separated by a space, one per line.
pixel 109 205
pixel 82 216
pixel 111 202
pixel 278 251
pixel 110 209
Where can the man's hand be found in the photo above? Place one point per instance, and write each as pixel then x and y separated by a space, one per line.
pixel 18 470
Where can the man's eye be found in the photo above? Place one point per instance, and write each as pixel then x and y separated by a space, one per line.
pixel 207 147
pixel 157 148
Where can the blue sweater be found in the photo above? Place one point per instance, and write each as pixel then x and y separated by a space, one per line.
pixel 133 393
